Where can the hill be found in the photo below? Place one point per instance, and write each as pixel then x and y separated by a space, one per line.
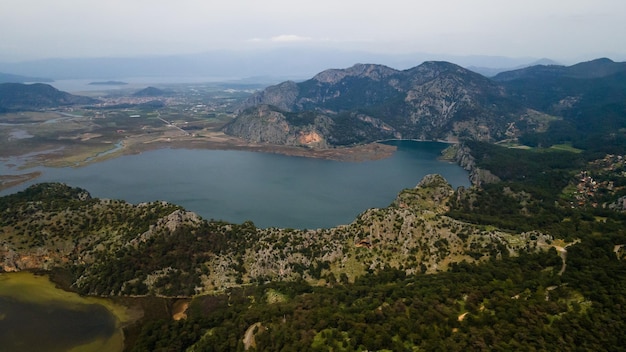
pixel 491 72
pixel 52 225
pixel 365 103
pixel 591 69
pixel 37 96
pixel 590 97
pixel 149 92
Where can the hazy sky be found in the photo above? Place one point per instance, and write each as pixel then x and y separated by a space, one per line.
pixel 562 30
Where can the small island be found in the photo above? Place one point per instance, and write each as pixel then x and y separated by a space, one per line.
pixel 108 83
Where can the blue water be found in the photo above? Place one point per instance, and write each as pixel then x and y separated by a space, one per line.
pixel 269 189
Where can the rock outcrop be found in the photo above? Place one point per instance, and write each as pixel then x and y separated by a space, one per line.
pixel 477 175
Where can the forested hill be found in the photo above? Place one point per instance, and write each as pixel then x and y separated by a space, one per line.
pixel 112 247
pixel 20 97
pixel 588 99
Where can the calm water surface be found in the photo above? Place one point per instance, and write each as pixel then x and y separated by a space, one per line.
pixel 37 316
pixel 269 189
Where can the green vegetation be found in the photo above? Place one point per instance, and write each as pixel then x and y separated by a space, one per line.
pixel 536 261
pixel 533 301
pixel 509 304
pixel 566 147
pixel 364 286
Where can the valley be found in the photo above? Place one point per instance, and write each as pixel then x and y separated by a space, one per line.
pixel 73 137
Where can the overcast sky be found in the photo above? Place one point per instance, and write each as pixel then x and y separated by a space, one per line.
pixel 569 30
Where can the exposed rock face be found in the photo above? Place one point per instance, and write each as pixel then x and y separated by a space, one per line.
pixel 478 176
pixel 374 72
pixel 266 124
pixel 431 193
pixel 365 103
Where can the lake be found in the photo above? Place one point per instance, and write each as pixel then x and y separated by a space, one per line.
pixel 37 316
pixel 271 190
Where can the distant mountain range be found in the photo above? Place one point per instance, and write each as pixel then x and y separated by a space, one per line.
pixel 435 100
pixel 11 78
pixel 18 96
pixel 280 64
pixel 492 71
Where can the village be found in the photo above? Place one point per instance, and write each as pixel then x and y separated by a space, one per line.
pixel 604 179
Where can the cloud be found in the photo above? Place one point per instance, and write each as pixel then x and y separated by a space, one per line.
pixel 290 38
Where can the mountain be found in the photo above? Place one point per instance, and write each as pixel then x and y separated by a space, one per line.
pixel 20 97
pixel 294 62
pixel 11 78
pixel 366 102
pixel 493 71
pixel 590 98
pixel 598 68
pixel 149 92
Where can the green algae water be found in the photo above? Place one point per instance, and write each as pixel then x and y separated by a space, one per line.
pixel 37 316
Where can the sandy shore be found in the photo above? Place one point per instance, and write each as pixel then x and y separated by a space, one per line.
pixel 220 141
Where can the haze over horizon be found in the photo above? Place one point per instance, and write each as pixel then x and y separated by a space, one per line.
pixel 576 31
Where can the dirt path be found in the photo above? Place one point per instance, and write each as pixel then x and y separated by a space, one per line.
pixel 562 250
pixel 179 310
pixel 248 339
pixel 563 254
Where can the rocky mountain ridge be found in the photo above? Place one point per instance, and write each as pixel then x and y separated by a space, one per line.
pixel 366 102
pixel 433 101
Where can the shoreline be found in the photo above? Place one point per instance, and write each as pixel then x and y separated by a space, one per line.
pixel 136 144
pixel 214 141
